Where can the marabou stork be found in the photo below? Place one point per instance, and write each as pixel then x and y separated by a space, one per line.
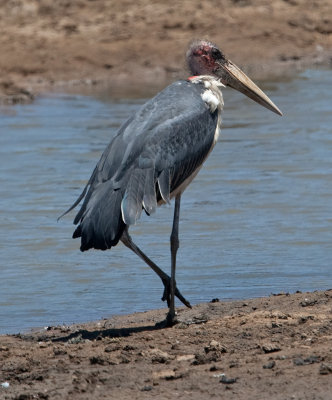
pixel 156 153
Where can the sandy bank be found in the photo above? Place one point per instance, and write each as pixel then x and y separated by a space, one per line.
pixel 278 347
pixel 46 44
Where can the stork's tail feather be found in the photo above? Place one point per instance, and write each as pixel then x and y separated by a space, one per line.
pixel 101 225
pixel 108 208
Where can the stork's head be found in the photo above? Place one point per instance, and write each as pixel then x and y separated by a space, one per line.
pixel 204 58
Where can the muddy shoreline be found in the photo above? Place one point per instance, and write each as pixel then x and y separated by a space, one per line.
pixel 278 347
pixel 47 45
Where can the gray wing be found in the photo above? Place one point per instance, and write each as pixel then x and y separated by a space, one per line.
pixel 154 152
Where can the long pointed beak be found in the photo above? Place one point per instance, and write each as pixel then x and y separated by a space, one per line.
pixel 232 76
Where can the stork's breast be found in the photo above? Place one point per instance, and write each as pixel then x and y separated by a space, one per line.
pixel 211 100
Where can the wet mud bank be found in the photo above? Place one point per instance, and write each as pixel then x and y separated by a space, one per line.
pixel 279 347
pixel 77 44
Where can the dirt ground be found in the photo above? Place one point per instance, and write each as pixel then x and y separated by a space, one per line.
pixel 49 44
pixel 271 348
pixel 278 347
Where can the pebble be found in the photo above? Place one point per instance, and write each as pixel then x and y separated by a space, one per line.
pixel 270 348
pixel 215 346
pixel 97 360
pixel 269 365
pixel 298 361
pixel 215 300
pixel 226 380
pixel 307 302
pixel 218 375
pixel 305 318
pixel 5 385
pixel 305 361
pixel 159 356
pixel 325 369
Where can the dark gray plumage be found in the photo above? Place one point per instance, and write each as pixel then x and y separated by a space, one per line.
pixel 156 154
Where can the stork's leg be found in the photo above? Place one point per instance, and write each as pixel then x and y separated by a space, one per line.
pixel 171 317
pixel 127 241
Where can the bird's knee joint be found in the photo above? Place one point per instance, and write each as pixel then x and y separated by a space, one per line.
pixel 175 243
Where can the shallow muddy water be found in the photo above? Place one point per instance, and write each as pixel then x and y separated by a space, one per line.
pixel 256 220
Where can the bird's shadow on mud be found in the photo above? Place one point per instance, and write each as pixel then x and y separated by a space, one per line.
pixel 83 334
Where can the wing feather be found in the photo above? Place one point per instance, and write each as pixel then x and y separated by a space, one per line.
pixel 153 153
pixel 132 201
pixel 164 185
pixel 149 198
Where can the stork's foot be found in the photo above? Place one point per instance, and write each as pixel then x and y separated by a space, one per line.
pixel 167 294
pixel 169 321
pixel 171 318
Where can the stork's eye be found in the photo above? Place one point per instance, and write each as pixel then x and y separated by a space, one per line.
pixel 216 53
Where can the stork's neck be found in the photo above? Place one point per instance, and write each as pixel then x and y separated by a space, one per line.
pixel 205 78
pixel 212 94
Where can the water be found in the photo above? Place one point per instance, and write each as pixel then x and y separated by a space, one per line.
pixel 256 220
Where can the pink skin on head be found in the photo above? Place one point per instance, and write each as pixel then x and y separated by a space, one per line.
pixel 202 58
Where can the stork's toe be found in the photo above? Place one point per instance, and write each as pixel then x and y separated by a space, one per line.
pixel 167 294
